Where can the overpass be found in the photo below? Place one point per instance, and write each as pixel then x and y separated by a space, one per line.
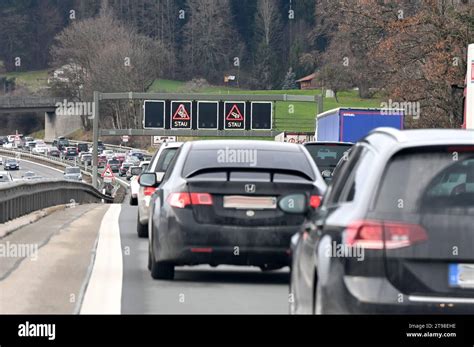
pixel 55 125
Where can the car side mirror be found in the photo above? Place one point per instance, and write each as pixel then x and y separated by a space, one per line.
pixel 294 204
pixel 148 179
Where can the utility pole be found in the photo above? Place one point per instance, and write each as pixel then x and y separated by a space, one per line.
pixel 95 141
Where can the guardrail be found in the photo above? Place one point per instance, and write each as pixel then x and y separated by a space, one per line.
pixel 20 198
pixel 117 148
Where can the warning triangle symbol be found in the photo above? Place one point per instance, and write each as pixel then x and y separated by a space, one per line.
pixel 181 113
pixel 108 172
pixel 234 114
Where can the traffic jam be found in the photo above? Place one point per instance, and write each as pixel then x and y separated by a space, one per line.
pixel 369 218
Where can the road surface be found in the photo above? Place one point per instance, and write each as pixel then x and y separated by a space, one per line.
pixel 39 170
pixel 199 289
pixel 70 257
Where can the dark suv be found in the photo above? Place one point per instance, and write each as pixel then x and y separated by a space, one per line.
pixel 395 230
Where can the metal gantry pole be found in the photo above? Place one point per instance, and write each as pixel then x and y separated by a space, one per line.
pixel 95 141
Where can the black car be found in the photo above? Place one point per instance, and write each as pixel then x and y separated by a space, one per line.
pixel 230 202
pixel 61 143
pixel 82 147
pixel 11 164
pixel 395 231
pixel 100 147
pixel 114 165
pixel 327 154
pixel 70 152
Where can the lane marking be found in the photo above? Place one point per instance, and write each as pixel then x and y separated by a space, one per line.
pixel 104 290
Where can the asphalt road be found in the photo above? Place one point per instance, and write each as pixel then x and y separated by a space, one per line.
pixel 195 290
pixel 42 171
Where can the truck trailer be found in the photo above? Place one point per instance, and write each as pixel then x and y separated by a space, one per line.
pixel 352 124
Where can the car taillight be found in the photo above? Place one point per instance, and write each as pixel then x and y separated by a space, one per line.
pixel 315 201
pixel 371 234
pixel 148 191
pixel 181 200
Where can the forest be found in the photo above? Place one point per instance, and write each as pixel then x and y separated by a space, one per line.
pixel 409 50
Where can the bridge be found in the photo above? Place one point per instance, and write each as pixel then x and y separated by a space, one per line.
pixel 54 124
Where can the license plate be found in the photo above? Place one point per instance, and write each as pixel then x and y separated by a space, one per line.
pixel 250 202
pixel 461 275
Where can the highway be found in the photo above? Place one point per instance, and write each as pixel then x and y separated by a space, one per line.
pixel 40 170
pixel 67 243
pixel 199 289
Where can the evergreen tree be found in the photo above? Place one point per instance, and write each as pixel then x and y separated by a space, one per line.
pixel 289 81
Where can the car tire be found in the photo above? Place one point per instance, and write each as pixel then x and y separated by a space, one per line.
pixel 149 259
pixel 160 270
pixel 142 230
pixel 133 201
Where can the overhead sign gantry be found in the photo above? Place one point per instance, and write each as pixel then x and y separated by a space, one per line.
pixel 199 115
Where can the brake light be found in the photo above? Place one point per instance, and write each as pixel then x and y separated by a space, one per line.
pixel 371 234
pixel 148 191
pixel 201 199
pixel 181 200
pixel 315 201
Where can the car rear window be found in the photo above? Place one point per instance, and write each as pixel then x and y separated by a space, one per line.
pixel 428 179
pixel 327 155
pixel 255 159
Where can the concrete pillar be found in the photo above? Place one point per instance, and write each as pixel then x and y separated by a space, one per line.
pixel 49 126
pixel 60 125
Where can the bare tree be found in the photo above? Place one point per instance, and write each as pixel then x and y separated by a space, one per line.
pixel 210 41
pixel 268 31
pixel 108 56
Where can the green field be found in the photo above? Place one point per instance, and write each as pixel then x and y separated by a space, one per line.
pixel 33 81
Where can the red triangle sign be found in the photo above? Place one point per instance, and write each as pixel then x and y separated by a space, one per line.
pixel 107 172
pixel 234 114
pixel 181 113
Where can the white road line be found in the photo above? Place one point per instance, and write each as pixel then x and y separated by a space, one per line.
pixel 104 291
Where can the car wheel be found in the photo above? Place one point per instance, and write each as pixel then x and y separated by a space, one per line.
pixel 142 230
pixel 133 201
pixel 160 270
pixel 149 259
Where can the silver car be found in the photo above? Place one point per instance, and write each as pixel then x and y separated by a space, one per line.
pixel 73 173
pixel 159 164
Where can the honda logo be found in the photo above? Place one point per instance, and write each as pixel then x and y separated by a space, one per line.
pixel 250 188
